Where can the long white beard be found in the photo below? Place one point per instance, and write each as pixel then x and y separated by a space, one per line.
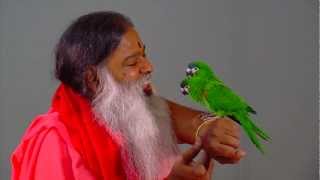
pixel 143 122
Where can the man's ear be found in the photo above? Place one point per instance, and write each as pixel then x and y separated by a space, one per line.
pixel 91 79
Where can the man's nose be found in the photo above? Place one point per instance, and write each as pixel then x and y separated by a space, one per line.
pixel 147 67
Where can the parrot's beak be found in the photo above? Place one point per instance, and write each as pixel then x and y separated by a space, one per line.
pixel 189 72
pixel 185 92
pixel 183 89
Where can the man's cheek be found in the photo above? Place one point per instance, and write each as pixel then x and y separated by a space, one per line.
pixel 130 75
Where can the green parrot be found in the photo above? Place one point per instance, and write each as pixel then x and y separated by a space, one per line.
pixel 204 87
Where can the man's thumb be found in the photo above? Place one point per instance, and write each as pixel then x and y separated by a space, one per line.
pixel 192 152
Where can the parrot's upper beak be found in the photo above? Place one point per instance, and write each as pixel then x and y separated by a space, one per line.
pixel 189 72
pixel 183 89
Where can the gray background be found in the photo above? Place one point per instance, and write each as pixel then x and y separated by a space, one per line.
pixel 265 49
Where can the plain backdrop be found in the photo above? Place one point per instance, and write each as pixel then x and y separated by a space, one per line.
pixel 266 50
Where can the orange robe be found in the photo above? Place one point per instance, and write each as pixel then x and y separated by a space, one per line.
pixel 68 143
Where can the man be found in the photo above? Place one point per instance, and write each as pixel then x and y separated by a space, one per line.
pixel 106 121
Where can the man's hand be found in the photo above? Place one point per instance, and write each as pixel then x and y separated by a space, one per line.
pixel 221 140
pixel 185 169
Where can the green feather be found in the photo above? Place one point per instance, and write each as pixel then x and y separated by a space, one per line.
pixel 247 125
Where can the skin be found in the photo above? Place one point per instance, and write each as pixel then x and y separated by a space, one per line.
pixel 220 138
pixel 129 61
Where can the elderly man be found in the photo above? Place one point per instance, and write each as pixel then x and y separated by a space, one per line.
pixel 106 121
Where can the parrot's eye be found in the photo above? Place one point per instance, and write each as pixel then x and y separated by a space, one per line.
pixel 195 69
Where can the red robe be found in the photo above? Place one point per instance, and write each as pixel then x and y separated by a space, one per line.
pixel 68 143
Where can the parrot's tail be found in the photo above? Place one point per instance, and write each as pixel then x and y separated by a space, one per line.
pixel 262 134
pixel 252 131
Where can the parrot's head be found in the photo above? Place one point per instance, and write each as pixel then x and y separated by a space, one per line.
pixel 193 87
pixel 199 69
pixel 184 87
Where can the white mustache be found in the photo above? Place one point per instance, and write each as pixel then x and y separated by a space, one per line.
pixel 146 78
pixel 141 82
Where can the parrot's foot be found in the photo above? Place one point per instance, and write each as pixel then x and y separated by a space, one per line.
pixel 220 115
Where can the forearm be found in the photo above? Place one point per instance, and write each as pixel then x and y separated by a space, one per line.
pixel 185 121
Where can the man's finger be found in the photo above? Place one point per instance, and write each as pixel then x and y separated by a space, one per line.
pixel 233 126
pixel 197 170
pixel 210 168
pixel 223 160
pixel 207 161
pixel 203 158
pixel 225 151
pixel 230 141
pixel 240 153
pixel 235 134
pixel 230 159
pixel 189 154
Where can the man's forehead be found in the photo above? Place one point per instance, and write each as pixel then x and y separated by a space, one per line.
pixel 131 39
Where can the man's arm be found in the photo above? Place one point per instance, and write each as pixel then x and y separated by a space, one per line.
pixel 185 122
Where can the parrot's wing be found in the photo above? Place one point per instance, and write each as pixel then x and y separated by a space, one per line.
pixel 250 109
pixel 221 98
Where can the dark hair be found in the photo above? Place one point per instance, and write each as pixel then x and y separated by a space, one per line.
pixel 88 41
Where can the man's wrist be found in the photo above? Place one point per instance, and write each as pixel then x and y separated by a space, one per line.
pixel 200 121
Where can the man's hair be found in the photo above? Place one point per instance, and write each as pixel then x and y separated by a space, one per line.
pixel 88 41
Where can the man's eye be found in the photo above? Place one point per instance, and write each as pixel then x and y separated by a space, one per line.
pixel 132 62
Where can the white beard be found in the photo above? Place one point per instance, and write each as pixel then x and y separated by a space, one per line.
pixel 143 122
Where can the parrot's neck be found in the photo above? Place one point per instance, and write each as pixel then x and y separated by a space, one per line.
pixel 215 78
pixel 198 93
